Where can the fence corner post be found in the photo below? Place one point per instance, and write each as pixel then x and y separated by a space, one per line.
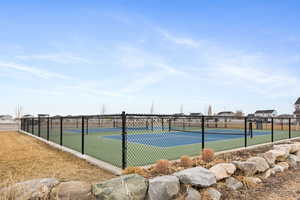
pixel 124 141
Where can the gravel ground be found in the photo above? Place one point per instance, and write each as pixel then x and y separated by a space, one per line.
pixel 24 158
pixel 283 186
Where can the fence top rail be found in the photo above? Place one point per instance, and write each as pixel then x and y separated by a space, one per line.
pixel 173 116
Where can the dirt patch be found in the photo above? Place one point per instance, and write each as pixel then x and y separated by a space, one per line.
pixel 283 186
pixel 24 158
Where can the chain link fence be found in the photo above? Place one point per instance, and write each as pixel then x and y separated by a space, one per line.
pixel 138 139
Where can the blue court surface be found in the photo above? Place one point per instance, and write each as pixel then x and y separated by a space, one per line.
pixel 171 139
pixel 106 130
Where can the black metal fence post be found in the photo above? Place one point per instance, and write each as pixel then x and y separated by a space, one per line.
pixel 162 124
pixel 203 132
pixel 48 120
pixel 87 125
pixel 61 131
pixel 170 125
pixel 124 141
pixel 39 126
pixel 82 134
pixel 245 139
pixel 290 135
pixel 272 129
pixel 32 126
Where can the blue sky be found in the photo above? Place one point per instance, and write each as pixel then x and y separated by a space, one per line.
pixel 71 57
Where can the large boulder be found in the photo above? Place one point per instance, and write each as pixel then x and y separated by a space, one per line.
pixel 248 168
pixel 75 190
pixel 223 170
pixel 284 165
pixel 128 187
pixel 270 157
pixel 293 161
pixel 261 163
pixel 32 189
pixel 295 147
pixel 192 194
pixel 163 187
pixel 286 148
pixel 281 154
pixel 213 194
pixel 233 183
pixel 197 176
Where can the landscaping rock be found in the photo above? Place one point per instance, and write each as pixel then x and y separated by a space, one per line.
pixel 261 163
pixel 192 194
pixel 197 176
pixel 295 147
pixel 223 170
pixel 293 161
pixel 298 154
pixel 270 157
pixel 128 187
pixel 281 155
pixel 233 183
pixel 248 168
pixel 268 173
pixel 214 194
pixel 283 151
pixel 32 189
pixel 252 180
pixel 277 169
pixel 284 165
pixel 163 187
pixel 75 190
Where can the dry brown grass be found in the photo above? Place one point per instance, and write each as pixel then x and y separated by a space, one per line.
pixel 208 155
pixel 24 158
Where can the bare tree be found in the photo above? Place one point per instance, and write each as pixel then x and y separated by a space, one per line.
pixel 209 112
pixel 181 109
pixel 152 108
pixel 18 115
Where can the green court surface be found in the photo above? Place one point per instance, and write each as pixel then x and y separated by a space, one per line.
pixel 102 146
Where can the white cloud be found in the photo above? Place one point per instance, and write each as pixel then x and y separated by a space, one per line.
pixel 62 58
pixel 188 42
pixel 34 71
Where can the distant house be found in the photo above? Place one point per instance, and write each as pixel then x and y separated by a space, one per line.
pixel 179 114
pixel 28 116
pixel 6 117
pixel 297 108
pixel 195 114
pixel 226 114
pixel 285 116
pixel 265 113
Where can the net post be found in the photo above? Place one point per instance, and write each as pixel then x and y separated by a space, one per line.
pixel 124 141
pixel 39 126
pixel 245 138
pixel 82 135
pixel 272 129
pixel 48 120
pixel 203 132
pixel 61 131
pixel 290 136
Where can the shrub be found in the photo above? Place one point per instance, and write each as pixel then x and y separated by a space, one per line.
pixel 208 155
pixel 162 167
pixel 135 170
pixel 186 161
